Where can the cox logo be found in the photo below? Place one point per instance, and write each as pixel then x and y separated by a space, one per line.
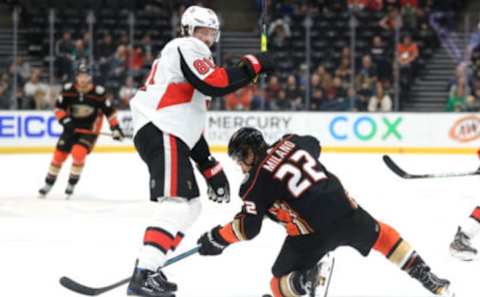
pixel 364 128
pixel 28 126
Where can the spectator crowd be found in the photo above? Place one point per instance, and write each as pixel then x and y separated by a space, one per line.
pixel 337 79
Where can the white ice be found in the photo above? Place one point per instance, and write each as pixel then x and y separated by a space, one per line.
pixel 94 238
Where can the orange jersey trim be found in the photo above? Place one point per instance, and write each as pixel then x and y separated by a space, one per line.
pixel 227 233
pixel 60 113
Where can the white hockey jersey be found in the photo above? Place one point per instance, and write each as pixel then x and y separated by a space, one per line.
pixel 168 100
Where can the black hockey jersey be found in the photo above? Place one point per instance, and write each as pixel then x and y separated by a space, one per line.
pixel 291 187
pixel 85 109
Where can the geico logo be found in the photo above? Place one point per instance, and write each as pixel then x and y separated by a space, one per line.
pixel 364 128
pixel 28 126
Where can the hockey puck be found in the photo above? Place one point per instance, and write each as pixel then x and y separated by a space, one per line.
pixel 267 295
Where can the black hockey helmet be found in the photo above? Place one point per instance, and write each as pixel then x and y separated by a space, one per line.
pixel 83 67
pixel 244 139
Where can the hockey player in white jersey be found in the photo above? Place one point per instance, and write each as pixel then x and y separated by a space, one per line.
pixel 169 115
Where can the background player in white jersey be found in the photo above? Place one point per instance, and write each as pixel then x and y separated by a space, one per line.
pixel 169 115
pixel 461 246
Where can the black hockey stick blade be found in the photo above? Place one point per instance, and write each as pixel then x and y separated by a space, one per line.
pixel 394 167
pixel 84 290
pixel 403 174
pixel 90 291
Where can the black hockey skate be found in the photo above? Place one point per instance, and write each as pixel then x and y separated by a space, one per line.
pixel 438 286
pixel 317 279
pixel 42 193
pixel 69 190
pixel 146 283
pixel 461 247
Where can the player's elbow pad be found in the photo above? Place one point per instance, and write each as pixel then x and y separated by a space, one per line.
pixel 237 78
pixel 251 234
pixel 252 230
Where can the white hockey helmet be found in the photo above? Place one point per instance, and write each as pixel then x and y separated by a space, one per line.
pixel 197 16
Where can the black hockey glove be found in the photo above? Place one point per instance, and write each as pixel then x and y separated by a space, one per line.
pixel 256 64
pixel 212 243
pixel 218 186
pixel 67 123
pixel 117 133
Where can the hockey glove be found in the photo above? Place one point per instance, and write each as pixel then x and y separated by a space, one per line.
pixel 256 64
pixel 117 133
pixel 218 186
pixel 67 123
pixel 212 243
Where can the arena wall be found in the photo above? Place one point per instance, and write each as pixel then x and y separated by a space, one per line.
pixel 430 133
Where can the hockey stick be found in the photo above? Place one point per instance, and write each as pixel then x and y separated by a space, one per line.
pixel 90 132
pixel 90 291
pixel 403 174
pixel 263 37
pixel 263 48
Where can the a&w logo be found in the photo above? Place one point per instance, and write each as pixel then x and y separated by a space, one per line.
pixel 466 129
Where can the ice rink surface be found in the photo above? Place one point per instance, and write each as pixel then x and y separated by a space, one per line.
pixel 94 237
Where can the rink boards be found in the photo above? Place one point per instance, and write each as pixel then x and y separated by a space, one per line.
pixel 430 133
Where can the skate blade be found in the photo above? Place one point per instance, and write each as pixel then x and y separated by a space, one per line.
pixel 446 292
pixel 467 257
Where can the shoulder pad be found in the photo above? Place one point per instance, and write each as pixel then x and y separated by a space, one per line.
pixel 67 86
pixel 196 45
pixel 99 90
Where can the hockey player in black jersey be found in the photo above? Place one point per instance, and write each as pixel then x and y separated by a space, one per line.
pixel 79 109
pixel 288 184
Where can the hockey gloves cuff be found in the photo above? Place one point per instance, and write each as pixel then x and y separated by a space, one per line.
pixel 212 243
pixel 256 64
pixel 67 123
pixel 218 186
pixel 117 133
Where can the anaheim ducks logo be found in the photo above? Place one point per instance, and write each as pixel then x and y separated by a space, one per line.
pixel 465 129
pixel 82 111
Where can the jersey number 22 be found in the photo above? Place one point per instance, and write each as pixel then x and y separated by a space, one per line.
pixel 297 182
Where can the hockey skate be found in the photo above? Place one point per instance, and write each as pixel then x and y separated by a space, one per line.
pixel 42 193
pixel 69 191
pixel 461 248
pixel 317 279
pixel 429 280
pixel 146 283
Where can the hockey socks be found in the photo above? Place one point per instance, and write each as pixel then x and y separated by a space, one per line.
pixel 53 170
pixel 401 253
pixel 173 217
pixel 471 226
pixel 392 246
pixel 289 285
